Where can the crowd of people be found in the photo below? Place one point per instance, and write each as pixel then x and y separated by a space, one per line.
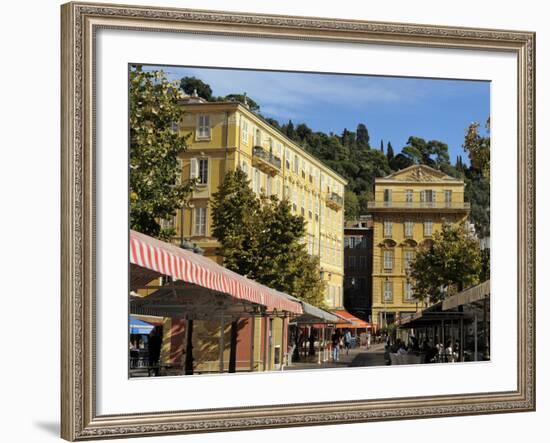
pixel 438 353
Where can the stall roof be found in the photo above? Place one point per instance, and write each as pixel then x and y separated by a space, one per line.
pixel 151 257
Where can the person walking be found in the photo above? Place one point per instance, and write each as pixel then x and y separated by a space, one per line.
pixel 347 341
pixel 335 339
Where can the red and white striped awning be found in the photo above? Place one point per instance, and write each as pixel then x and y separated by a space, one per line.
pixel 167 259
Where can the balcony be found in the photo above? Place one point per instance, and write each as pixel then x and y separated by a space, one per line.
pixel 334 201
pixel 266 161
pixel 375 206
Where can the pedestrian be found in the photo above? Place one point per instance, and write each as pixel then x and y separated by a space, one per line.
pixel 335 339
pixel 347 341
pixel 368 340
pixel 155 341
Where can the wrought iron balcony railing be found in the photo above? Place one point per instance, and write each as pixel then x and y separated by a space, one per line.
pixel 418 205
pixel 267 157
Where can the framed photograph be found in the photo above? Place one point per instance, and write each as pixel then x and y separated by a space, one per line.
pixel 275 221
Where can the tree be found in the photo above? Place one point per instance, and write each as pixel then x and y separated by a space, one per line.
pixel 288 129
pixel 242 98
pixel 191 84
pixel 362 137
pixel 389 152
pixel 156 190
pixel 351 205
pixel 382 146
pixel 261 239
pixel 283 262
pixel 451 263
pixel 235 211
pixel 478 148
pixel 400 161
pixel 433 153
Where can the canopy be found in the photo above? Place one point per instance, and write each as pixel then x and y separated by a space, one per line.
pixel 156 257
pixel 140 327
pixel 354 322
pixel 470 295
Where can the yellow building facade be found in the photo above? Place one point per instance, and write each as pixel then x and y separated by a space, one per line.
pixel 223 136
pixel 409 207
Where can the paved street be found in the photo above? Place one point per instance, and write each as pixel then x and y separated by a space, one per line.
pixel 356 358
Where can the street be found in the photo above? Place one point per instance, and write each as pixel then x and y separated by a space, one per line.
pixel 357 357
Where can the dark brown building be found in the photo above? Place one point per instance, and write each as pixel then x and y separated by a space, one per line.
pixel 358 237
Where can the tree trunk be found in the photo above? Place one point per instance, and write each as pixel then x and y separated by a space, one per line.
pixel 233 347
pixel 189 349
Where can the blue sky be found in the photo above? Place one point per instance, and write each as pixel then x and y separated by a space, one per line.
pixel 392 108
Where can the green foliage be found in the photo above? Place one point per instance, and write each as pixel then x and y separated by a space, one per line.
pixel 389 152
pixel 421 152
pixel 242 98
pixel 478 148
pixel 235 210
pixel 263 240
pixel 448 265
pixel 156 191
pixel 351 205
pixel 191 84
pixel 363 139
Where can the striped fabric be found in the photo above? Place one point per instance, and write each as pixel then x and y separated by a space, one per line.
pixel 167 259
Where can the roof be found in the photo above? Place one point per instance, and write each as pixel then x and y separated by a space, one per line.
pixel 355 322
pixel 420 174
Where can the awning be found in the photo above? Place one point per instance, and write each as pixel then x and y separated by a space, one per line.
pixel 470 295
pixel 140 327
pixel 314 315
pixel 163 258
pixel 354 322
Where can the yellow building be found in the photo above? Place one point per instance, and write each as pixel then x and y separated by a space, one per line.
pixel 225 135
pixel 410 206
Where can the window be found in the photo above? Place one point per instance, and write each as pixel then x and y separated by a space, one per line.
pixel 174 126
pixel 408 291
pixel 363 262
pixel 427 196
pixel 199 169
pixel 203 171
pixel 448 197
pixel 409 195
pixel 296 163
pixel 346 242
pixel 204 126
pixel 268 185
pixel 351 259
pixel 387 195
pixel 409 257
pixel 244 131
pixel 364 242
pixel 409 225
pixel 200 221
pixel 387 228
pixel 244 167
pixel 258 138
pixel 287 159
pixel 388 291
pixel 388 260
pixel 428 226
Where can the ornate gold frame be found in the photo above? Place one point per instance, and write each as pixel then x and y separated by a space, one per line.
pixel 79 23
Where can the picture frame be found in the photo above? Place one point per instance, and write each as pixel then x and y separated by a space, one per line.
pixel 80 24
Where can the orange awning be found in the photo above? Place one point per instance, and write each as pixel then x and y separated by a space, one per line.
pixel 355 322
